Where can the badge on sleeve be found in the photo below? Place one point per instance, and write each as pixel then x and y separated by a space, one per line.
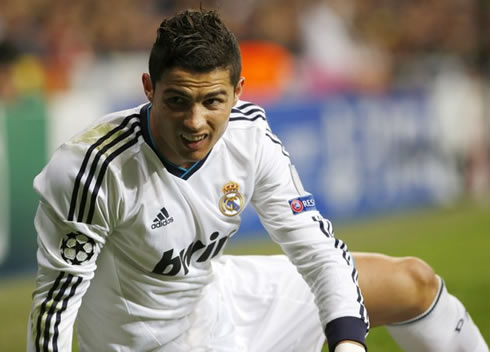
pixel 302 204
pixel 76 248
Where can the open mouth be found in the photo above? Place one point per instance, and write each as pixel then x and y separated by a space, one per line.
pixel 191 138
pixel 193 141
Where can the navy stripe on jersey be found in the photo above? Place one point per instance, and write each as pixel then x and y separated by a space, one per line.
pixel 328 231
pixel 102 171
pixel 93 168
pixel 85 162
pixel 60 311
pixel 360 299
pixel 55 297
pixel 249 112
pixel 245 105
pixel 246 118
pixel 43 309
pixel 345 254
pixel 243 113
pixel 121 138
pixel 275 140
pixel 348 259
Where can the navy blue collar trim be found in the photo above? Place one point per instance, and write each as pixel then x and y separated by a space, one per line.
pixel 172 168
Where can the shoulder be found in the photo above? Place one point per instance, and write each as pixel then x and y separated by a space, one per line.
pixel 247 125
pixel 245 110
pixel 247 114
pixel 86 157
pixel 250 119
pixel 109 130
pixel 110 136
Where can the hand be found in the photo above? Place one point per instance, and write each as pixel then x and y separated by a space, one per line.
pixel 349 346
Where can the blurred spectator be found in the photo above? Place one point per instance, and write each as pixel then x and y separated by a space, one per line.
pixel 8 55
pixel 340 45
pixel 334 59
pixel 460 101
pixel 301 48
pixel 61 33
pixel 19 73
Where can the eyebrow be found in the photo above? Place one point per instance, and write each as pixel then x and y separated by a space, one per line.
pixel 175 91
pixel 183 93
pixel 215 93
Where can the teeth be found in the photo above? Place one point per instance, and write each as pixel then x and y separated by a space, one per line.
pixel 193 138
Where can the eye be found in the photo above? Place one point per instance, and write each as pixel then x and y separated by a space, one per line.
pixel 213 102
pixel 177 102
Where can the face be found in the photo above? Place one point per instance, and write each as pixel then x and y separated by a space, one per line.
pixel 189 112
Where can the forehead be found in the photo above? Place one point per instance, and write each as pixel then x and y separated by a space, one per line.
pixel 182 79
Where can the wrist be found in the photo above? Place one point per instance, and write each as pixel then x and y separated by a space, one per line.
pixel 349 346
pixel 346 329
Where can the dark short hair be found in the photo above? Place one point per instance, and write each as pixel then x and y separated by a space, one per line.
pixel 197 41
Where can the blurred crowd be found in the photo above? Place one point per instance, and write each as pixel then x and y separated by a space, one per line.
pixel 291 48
pixel 326 45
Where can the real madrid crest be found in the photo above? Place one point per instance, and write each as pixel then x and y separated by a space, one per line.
pixel 231 203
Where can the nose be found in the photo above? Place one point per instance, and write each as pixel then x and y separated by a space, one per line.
pixel 195 118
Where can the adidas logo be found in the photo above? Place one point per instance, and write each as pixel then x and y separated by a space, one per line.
pixel 162 219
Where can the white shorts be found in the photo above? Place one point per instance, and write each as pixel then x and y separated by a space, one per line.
pixel 255 304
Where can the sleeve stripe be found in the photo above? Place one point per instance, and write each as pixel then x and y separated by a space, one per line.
pixel 246 118
pixel 52 311
pixel 102 173
pixel 248 112
pixel 63 308
pixel 273 140
pixel 45 319
pixel 86 159
pixel 109 143
pixel 348 259
pixel 276 141
pixel 362 309
pixel 321 223
pixel 329 226
pixel 93 168
pixel 245 105
pixel 43 309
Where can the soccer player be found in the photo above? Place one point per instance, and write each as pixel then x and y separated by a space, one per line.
pixel 135 212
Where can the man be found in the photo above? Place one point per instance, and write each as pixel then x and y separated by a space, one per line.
pixel 136 210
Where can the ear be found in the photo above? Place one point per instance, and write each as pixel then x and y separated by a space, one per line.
pixel 238 89
pixel 147 86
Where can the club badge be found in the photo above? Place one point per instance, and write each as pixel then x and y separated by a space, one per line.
pixel 231 203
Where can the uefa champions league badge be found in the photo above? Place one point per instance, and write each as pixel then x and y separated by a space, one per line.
pixel 76 248
pixel 231 203
pixel 302 204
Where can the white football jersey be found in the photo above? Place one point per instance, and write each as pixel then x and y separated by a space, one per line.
pixel 127 239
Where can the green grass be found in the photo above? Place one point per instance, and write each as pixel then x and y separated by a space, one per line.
pixel 454 240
